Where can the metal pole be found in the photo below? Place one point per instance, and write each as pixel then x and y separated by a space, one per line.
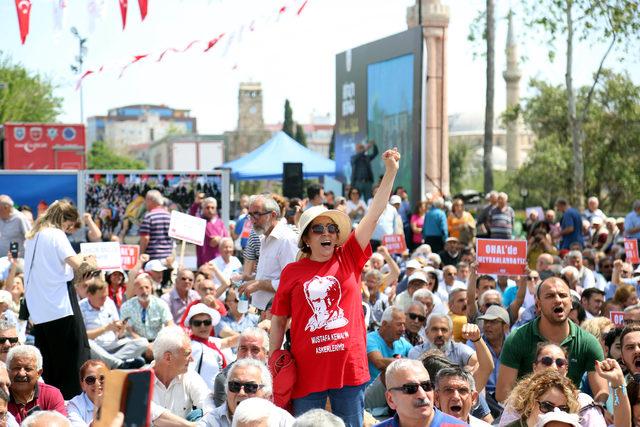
pixel 77 67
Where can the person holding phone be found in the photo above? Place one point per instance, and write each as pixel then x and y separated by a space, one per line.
pixel 80 408
pixel 13 227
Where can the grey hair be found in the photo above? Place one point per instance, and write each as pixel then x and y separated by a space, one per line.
pixel 265 375
pixel 6 324
pixel 632 308
pixel 574 254
pixel 256 333
pixel 318 417
pixel 6 200
pixel 503 195
pixel 35 418
pixel 417 304
pixel 169 339
pixel 208 201
pixel 438 203
pixel 270 205
pixel 403 365
pixel 422 293
pixel 253 410
pixel 376 273
pixel 454 291
pixel 389 312
pixel 438 316
pixel 636 205
pixel 592 199
pixel 456 372
pixel 570 269
pixel 487 293
pixel 24 351
pixel 155 196
pixel 224 240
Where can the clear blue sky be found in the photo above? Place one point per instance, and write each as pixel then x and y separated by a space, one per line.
pixel 293 58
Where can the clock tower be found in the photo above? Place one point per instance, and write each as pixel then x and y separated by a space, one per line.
pixel 250 107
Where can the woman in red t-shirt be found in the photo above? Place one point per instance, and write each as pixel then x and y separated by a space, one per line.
pixel 320 293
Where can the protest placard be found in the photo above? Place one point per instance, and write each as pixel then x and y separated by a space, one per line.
pixel 394 243
pixel 631 250
pixel 187 228
pixel 503 257
pixel 107 254
pixel 617 317
pixel 129 255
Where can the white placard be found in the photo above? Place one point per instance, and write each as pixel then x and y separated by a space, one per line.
pixel 188 228
pixel 107 254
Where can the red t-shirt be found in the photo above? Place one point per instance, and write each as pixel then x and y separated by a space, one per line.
pixel 328 334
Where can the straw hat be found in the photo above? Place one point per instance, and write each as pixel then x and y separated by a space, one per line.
pixel 340 218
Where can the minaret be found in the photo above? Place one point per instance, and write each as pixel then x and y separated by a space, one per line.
pixel 435 129
pixel 512 77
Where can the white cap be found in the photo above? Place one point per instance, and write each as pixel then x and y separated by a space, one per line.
pixel 418 275
pixel 154 265
pixel 559 416
pixel 395 200
pixel 201 308
pixel 412 263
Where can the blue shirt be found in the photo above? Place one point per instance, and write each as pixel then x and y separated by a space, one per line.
pixel 376 343
pixel 571 218
pixel 632 220
pixel 509 295
pixel 435 223
pixel 439 419
pixel 493 378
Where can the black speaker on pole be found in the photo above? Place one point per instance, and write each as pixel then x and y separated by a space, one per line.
pixel 292 180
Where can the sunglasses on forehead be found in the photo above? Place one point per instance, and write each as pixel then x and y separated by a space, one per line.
pixel 412 388
pixel 319 229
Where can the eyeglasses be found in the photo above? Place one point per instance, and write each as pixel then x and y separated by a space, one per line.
pixel 319 229
pixel 91 274
pixel 12 340
pixel 532 277
pixel 546 407
pixel 414 316
pixel 91 379
pixel 198 323
pixel 548 361
pixel 256 215
pixel 412 388
pixel 249 388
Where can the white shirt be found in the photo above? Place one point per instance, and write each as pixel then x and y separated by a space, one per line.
pixel 228 269
pixel 278 249
pixel 477 422
pixel 46 279
pixel 208 360
pixel 184 392
pixel 80 410
pixel 587 279
pixel 388 223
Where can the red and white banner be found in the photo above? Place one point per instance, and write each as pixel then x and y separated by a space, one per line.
pixel 394 243
pixel 503 257
pixel 617 317
pixel 23 7
pixel 124 6
pixel 129 255
pixel 143 8
pixel 631 250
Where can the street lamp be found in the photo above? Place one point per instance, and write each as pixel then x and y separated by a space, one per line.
pixel 524 193
pixel 77 66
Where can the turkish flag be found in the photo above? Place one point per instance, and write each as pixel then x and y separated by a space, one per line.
pixel 143 8
pixel 123 11
pixel 97 177
pixel 121 179
pixel 23 7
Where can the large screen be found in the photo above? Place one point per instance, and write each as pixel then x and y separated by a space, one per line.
pixel 378 97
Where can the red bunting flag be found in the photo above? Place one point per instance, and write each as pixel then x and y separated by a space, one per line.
pixel 213 42
pixel 144 177
pixel 97 177
pixel 169 177
pixel 143 8
pixel 23 7
pixel 123 11
pixel 121 179
pixel 302 7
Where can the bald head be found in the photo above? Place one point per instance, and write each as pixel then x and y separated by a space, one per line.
pixel 550 282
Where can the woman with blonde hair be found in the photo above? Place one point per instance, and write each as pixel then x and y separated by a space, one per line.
pixel 625 296
pixel 461 223
pixel 51 298
pixel 598 327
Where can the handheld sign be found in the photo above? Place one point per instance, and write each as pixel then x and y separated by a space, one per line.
pixel 129 255
pixel 187 228
pixel 394 243
pixel 617 317
pixel 107 254
pixel 503 257
pixel 631 250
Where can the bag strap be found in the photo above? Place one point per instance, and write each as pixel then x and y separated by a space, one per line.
pixel 33 256
pixel 199 365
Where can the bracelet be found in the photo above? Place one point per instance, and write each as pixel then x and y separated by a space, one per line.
pixel 476 340
pixel 616 398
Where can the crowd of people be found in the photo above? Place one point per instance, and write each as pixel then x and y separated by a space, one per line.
pixel 299 314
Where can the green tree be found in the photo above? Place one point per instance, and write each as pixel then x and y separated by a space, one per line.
pixel 458 162
pixel 287 126
pixel 300 135
pixel 101 156
pixel 25 97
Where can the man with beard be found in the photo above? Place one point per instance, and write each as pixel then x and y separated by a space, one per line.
pixel 439 329
pixel 630 345
pixel 553 299
pixel 456 394
pixel 387 343
pixel 214 232
pixel 146 314
pixel 410 394
pixel 279 247
pixel 592 300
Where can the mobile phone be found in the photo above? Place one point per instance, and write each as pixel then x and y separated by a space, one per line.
pixel 13 248
pixel 129 392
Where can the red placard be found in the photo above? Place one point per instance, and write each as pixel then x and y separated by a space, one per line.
pixel 130 255
pixel 504 257
pixel 394 243
pixel 617 317
pixel 631 250
pixel 44 146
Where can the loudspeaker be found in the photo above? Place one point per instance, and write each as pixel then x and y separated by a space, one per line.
pixel 292 180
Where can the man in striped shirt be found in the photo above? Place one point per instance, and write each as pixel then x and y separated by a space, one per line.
pixel 501 219
pixel 154 229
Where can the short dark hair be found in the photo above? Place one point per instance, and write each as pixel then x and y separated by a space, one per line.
pixel 588 293
pixel 97 286
pixel 313 190
pixel 610 337
pixel 484 277
pixel 626 331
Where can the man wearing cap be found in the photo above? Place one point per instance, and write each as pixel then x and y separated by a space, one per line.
pixel 417 280
pixel 181 295
pixel 451 254
pixel 155 270
pixel 410 267
pixel 387 343
pixel 154 229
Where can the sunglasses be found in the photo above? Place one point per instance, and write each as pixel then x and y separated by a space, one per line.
pixel 532 277
pixel 91 380
pixel 548 361
pixel 198 323
pixel 12 340
pixel 546 407
pixel 256 215
pixel 414 316
pixel 249 388
pixel 319 229
pixel 412 388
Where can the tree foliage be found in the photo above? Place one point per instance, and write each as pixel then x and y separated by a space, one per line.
pixel 287 126
pixel 101 156
pixel 458 160
pixel 25 97
pixel 612 143
pixel 300 135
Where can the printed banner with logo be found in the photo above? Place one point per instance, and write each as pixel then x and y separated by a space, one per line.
pixel 44 146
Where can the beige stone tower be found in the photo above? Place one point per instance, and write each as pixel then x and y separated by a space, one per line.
pixel 435 22
pixel 250 133
pixel 512 77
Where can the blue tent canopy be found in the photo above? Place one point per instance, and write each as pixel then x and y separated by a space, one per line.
pixel 265 162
